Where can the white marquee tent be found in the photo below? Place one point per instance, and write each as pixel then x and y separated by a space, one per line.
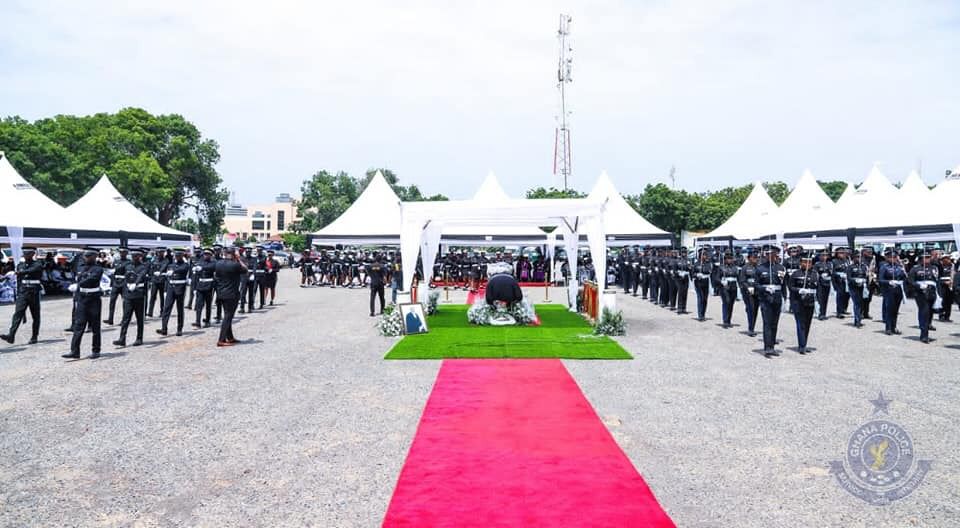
pixel 751 222
pixel 374 218
pixel 491 192
pixel 623 225
pixel 807 200
pixel 104 206
pixel 27 216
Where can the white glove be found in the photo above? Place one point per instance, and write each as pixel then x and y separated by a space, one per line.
pixel 750 290
pixel 132 286
pixel 72 287
pixel 156 273
pixel 169 273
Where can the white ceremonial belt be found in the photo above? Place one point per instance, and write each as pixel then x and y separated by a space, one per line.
pixel 177 281
pixel 119 276
pixel 206 280
pixel 728 280
pixel 141 285
pixel 807 291
pixel 89 290
pixel 29 281
pixel 260 271
pixel 944 278
pixel 703 275
pixel 824 275
pixel 926 283
pixel 858 280
pixel 842 274
pixel 895 282
pixel 771 287
pixel 683 273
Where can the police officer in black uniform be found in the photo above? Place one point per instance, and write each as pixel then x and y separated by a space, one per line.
pixel 116 282
pixel 89 304
pixel 770 282
pixel 158 279
pixel 248 291
pixel 726 277
pixel 29 273
pixel 923 279
pixel 840 263
pixel 824 270
pixel 747 280
pixel 136 280
pixel 803 292
pixel 857 278
pixel 792 264
pixel 703 272
pixel 377 273
pixel 178 276
pixel 203 275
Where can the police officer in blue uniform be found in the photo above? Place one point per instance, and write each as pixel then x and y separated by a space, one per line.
pixel 840 263
pixel 824 269
pixel 747 280
pixel 89 304
pixel 857 277
pixel 923 279
pixel 29 273
pixel 892 277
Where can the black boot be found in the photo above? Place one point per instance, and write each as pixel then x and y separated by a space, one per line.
pixel 33 341
pixel 71 355
pixel 162 331
pixel 138 342
pixel 119 343
pixel 94 355
pixel 8 338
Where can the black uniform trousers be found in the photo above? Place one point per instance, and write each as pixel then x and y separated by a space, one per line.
pixel 728 297
pixel 856 296
pixel 702 287
pixel 803 315
pixel 947 309
pixel 823 298
pixel 770 305
pixel 674 291
pixel 87 313
pixel 219 304
pixel 26 299
pixel 625 278
pixel 865 305
pixel 924 313
pixel 115 292
pixel 248 294
pixel 843 296
pixel 752 305
pixel 892 297
pixel 637 280
pixel 172 298
pixel 156 291
pixel 204 300
pixel 376 291
pixel 132 308
pixel 653 284
pixel 226 326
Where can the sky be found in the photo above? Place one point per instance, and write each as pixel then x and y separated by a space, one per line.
pixel 728 92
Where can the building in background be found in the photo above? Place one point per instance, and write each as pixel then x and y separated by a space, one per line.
pixel 263 222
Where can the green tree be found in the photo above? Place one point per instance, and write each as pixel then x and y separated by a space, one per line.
pixel 778 191
pixel 833 188
pixel 553 192
pixel 187 225
pixel 666 208
pixel 325 196
pixel 160 163
pixel 295 242
pixel 408 193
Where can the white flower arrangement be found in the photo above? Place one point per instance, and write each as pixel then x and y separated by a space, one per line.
pixel 390 323
pixel 481 313
pixel 610 323
pixel 432 301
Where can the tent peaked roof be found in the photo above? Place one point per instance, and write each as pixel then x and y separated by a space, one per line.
pixel 847 195
pixel 913 187
pixel 751 220
pixel 807 196
pixel 104 205
pixel 623 224
pixel 373 218
pixel 20 201
pixel 490 190
pixel 876 183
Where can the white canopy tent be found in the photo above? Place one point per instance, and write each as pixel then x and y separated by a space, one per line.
pixel 806 200
pixel 751 222
pixel 374 218
pixel 913 189
pixel 623 225
pixel 27 216
pixel 423 225
pixel 491 193
pixel 104 206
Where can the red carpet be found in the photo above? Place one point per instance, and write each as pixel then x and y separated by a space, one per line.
pixel 514 442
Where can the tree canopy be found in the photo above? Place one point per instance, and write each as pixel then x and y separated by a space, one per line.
pixel 553 192
pixel 326 195
pixel 161 163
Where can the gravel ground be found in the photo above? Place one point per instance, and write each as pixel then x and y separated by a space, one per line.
pixel 305 424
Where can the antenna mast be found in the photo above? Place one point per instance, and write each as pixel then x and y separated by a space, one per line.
pixel 562 161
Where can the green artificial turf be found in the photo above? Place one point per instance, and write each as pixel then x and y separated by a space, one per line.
pixel 561 334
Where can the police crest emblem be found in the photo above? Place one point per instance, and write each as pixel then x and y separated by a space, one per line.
pixel 880 465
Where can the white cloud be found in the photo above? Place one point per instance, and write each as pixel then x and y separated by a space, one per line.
pixel 728 91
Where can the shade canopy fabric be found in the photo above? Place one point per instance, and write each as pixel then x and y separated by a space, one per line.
pixel 39 220
pixel 373 218
pixel 491 193
pixel 623 225
pixel 807 200
pixel 751 222
pixel 104 206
